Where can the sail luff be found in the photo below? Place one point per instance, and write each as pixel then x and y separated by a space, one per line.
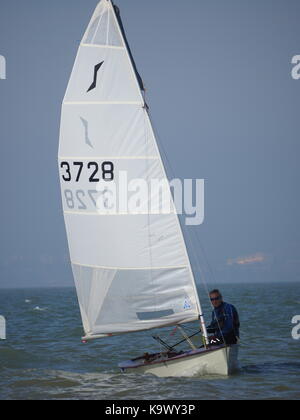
pixel 129 55
pixel 117 15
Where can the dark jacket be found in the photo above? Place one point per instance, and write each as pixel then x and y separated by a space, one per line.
pixel 225 323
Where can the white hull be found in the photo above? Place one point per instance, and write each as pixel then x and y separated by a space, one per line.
pixel 214 361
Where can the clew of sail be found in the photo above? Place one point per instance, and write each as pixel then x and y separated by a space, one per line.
pixel 131 271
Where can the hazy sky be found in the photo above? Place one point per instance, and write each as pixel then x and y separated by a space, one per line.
pixel 222 99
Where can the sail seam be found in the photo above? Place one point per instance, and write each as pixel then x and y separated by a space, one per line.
pixel 115 214
pixel 103 103
pixel 114 47
pixel 108 157
pixel 131 268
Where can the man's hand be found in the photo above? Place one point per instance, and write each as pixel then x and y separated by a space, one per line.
pixel 214 340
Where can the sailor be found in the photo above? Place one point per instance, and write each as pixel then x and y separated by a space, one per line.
pixel 225 322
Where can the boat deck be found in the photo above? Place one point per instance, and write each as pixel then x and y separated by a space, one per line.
pixel 155 358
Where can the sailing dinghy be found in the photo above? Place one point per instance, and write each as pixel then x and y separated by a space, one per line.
pixel 131 269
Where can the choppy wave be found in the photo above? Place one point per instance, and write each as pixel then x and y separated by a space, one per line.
pixel 38 309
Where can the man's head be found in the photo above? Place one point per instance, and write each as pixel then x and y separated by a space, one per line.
pixel 216 298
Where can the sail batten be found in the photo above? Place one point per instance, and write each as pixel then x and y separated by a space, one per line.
pixel 131 270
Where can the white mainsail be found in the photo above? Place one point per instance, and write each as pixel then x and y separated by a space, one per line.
pixel 131 271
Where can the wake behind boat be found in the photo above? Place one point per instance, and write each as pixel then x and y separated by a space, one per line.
pixel 131 269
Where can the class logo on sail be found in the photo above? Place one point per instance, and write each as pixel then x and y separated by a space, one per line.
pixel 187 304
pixel 96 70
pixel 86 132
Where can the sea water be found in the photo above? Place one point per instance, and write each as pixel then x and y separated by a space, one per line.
pixel 43 357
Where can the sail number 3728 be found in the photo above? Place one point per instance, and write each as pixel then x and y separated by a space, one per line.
pixel 74 171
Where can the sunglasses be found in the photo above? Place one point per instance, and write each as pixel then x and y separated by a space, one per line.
pixel 217 298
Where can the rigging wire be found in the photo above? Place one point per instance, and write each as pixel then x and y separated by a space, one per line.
pixel 146 132
pixel 185 233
